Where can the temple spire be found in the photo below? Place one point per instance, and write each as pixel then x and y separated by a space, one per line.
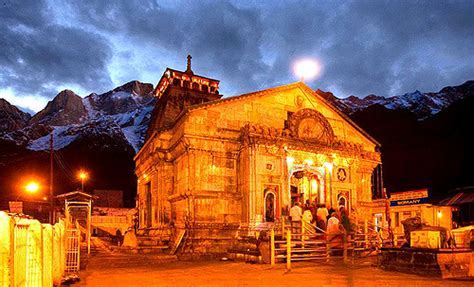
pixel 188 67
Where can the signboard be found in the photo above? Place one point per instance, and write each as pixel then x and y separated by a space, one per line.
pixel 410 194
pixel 412 201
pixel 16 206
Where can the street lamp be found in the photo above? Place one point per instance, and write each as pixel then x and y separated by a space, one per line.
pixel 82 176
pixel 306 69
pixel 32 187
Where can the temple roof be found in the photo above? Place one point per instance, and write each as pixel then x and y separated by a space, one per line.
pixel 260 93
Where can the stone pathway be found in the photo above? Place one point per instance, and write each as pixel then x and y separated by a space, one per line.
pixel 117 269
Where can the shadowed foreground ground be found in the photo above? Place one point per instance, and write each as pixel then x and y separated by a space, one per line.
pixel 111 269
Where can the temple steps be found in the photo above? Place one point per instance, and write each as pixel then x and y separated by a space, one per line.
pixel 153 240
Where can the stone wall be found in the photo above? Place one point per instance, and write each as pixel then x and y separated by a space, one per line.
pixel 210 168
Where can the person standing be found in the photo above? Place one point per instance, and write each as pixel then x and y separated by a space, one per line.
pixel 322 216
pixel 331 210
pixel 306 221
pixel 335 232
pixel 296 214
pixel 333 224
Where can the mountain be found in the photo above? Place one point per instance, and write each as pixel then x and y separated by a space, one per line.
pixel 65 109
pixel 122 113
pixel 423 105
pixel 433 153
pixel 11 118
pixel 100 133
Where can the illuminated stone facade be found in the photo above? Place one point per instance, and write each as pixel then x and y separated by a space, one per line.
pixel 210 163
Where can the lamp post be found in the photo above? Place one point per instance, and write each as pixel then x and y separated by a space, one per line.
pixel 82 177
pixel 32 187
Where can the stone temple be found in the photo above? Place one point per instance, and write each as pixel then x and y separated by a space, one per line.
pixel 212 164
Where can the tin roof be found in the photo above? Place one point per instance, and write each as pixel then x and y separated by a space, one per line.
pixel 459 198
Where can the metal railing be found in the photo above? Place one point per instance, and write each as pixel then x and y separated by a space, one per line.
pixel 307 241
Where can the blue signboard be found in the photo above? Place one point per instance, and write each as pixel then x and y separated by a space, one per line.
pixel 409 201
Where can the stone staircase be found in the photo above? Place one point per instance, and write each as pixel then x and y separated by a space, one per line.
pixel 154 240
pixel 245 248
pixel 102 257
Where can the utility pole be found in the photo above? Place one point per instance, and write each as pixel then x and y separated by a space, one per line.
pixel 51 172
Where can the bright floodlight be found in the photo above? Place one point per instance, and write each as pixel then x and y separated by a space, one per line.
pixel 82 175
pixel 32 187
pixel 307 69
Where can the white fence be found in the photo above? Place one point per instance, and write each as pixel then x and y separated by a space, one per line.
pixel 31 253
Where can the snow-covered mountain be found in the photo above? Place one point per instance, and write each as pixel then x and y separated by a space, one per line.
pixel 122 114
pixel 423 105
pixel 11 117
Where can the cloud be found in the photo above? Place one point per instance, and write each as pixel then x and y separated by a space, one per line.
pixel 366 47
pixel 223 38
pixel 378 47
pixel 37 55
pixel 29 104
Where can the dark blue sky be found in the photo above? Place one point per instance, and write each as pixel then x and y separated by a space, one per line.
pixel 365 47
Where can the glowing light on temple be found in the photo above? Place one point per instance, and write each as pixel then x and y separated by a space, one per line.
pixel 314 186
pixel 307 69
pixel 328 166
pixel 290 160
pixel 309 161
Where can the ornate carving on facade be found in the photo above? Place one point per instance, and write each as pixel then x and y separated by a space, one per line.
pixel 299 101
pixel 274 139
pixel 310 125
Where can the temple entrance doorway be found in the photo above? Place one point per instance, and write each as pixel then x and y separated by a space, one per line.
pixel 307 184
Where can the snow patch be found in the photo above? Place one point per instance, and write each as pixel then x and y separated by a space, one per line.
pixel 60 138
pixel 132 137
pixel 91 112
pixel 120 95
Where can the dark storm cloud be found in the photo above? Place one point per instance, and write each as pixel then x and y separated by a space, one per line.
pixel 379 47
pixel 395 46
pixel 37 55
pixel 223 39
pixel 366 46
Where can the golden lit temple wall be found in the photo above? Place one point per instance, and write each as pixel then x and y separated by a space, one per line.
pixel 245 181
pixel 270 174
pixel 272 109
pixel 203 170
pixel 225 120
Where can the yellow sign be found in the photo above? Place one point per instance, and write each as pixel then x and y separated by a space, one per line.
pixel 409 195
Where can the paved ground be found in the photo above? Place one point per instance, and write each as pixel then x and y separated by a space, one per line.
pixel 109 269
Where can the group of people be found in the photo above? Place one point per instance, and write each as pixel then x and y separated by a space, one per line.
pixel 328 220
